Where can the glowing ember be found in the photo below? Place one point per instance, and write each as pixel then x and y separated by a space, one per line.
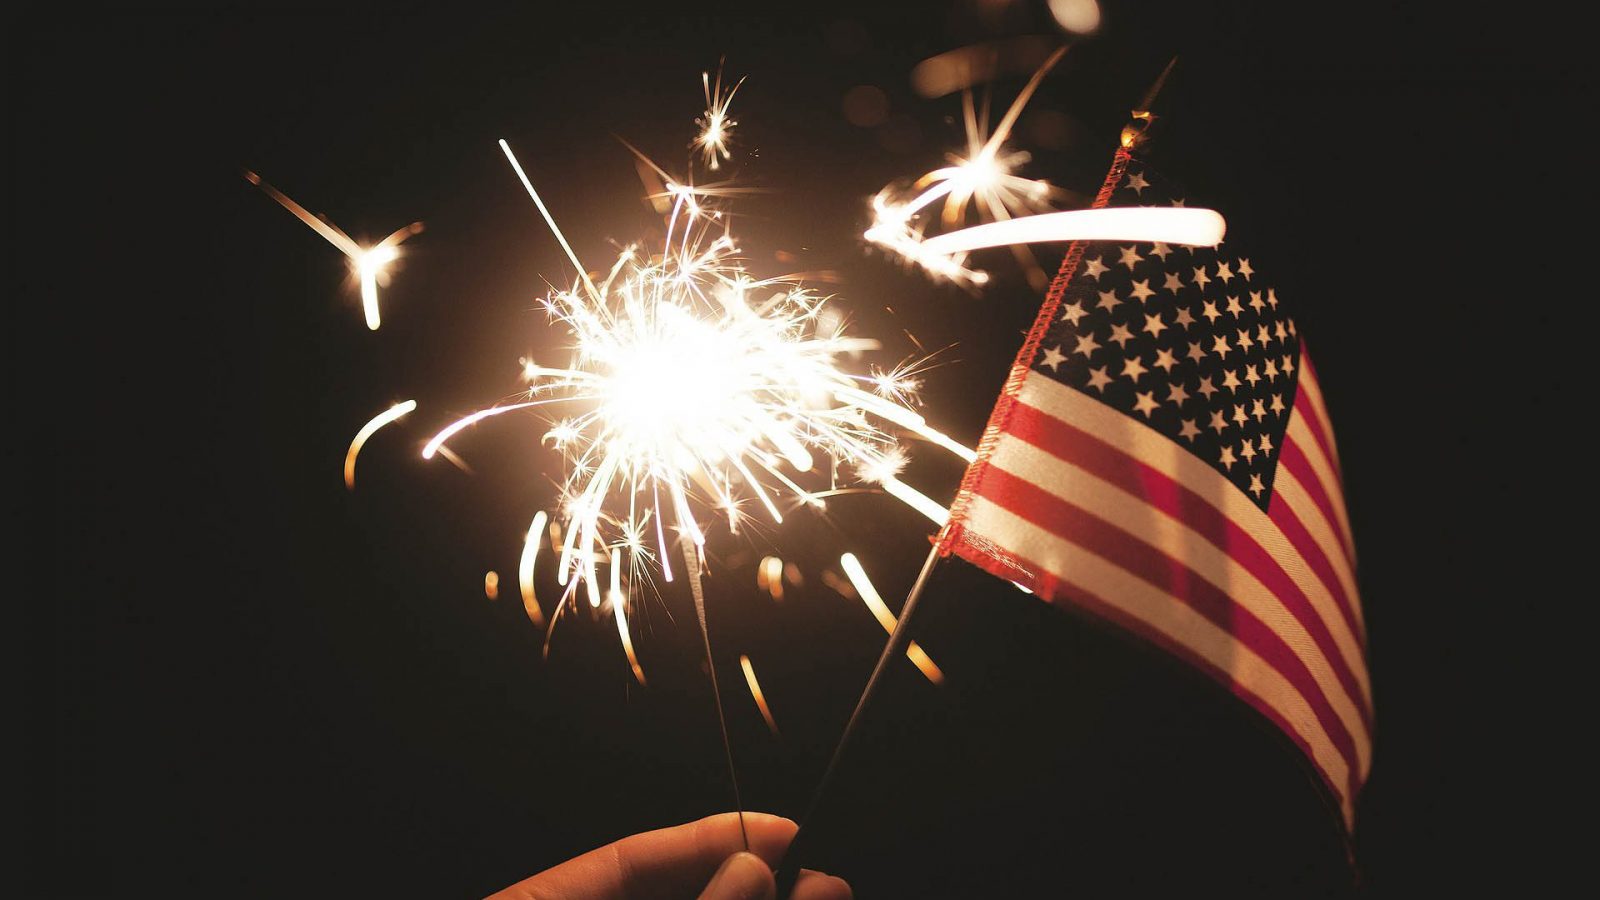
pixel 769 576
pixel 755 692
pixel 369 264
pixel 378 421
pixel 880 611
pixel 530 554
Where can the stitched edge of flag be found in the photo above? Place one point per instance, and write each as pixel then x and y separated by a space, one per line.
pixel 951 534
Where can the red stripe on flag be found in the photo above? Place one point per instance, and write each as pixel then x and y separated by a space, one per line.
pixel 1122 548
pixel 1088 452
pixel 1308 413
pixel 1294 531
pixel 1317 413
pixel 1292 458
pixel 1052 588
pixel 1024 361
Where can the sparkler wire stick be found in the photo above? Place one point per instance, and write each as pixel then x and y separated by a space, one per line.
pixel 691 561
pixel 899 640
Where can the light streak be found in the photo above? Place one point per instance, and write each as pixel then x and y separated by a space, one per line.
pixel 755 692
pixel 378 421
pixel 530 555
pixel 769 576
pixel 455 460
pixel 1178 225
pixel 369 264
pixel 619 603
pixel 869 595
pixel 983 181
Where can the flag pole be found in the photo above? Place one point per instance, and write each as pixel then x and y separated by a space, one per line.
pixel 899 639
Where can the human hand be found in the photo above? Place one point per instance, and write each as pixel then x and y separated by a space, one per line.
pixel 702 859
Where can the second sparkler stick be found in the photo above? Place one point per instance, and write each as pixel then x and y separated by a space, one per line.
pixel 899 639
pixel 691 560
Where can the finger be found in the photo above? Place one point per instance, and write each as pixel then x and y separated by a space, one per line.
pixel 671 861
pixel 819 886
pixel 743 877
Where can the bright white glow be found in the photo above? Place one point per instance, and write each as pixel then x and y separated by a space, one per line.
pixel 917 500
pixel 369 266
pixel 696 392
pixel 1177 225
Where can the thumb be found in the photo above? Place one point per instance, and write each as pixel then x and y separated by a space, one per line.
pixel 742 877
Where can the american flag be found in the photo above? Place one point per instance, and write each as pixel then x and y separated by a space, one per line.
pixel 1161 456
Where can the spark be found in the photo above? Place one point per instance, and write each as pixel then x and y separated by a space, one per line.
pixel 755 692
pixel 491 584
pixel 983 180
pixel 619 606
pixel 369 264
pixel 769 576
pixel 378 421
pixel 880 611
pixel 715 126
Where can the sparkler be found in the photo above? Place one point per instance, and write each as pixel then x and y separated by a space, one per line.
pixel 983 179
pixel 695 386
pixel 692 389
pixel 370 265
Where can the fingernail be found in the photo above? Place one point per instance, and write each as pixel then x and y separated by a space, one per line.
pixel 818 885
pixel 743 877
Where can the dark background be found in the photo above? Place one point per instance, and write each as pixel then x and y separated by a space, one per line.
pixel 243 679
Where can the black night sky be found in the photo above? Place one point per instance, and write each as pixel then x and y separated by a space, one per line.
pixel 243 679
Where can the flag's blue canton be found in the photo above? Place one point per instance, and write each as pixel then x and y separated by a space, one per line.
pixel 1192 341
